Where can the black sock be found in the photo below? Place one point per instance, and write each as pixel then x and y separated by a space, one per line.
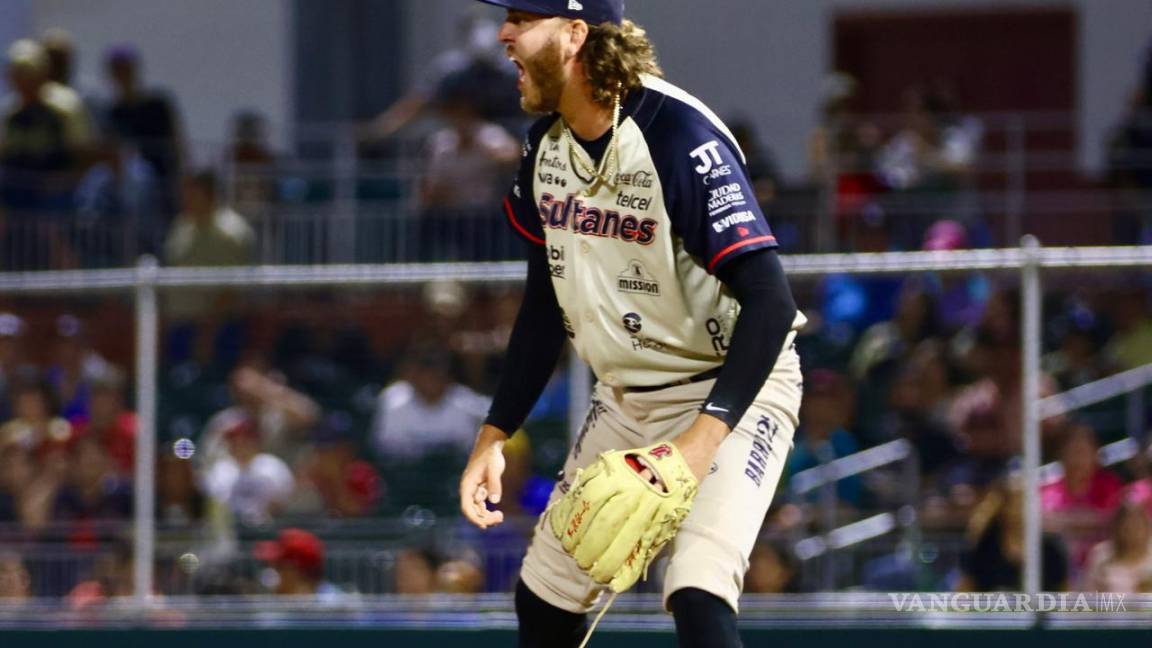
pixel 543 625
pixel 703 620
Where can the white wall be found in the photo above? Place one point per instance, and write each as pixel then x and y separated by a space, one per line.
pixel 766 58
pixel 1114 40
pixel 214 56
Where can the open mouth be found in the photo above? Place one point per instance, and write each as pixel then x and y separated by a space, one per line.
pixel 520 72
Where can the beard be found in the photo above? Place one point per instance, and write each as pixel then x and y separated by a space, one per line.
pixel 544 81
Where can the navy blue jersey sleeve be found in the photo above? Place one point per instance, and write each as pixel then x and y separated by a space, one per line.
pixel 709 198
pixel 520 203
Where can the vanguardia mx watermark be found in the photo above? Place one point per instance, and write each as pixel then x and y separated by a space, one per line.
pixel 1009 602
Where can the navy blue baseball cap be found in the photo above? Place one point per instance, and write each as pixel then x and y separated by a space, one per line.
pixel 592 12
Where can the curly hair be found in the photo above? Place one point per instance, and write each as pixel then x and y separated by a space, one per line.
pixel 615 56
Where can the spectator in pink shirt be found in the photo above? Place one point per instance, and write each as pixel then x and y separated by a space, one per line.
pixel 1078 504
pixel 1085 485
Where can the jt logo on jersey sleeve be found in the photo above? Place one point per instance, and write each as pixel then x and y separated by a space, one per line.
pixel 711 165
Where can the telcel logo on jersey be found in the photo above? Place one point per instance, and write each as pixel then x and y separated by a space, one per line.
pixel 630 201
pixel 711 164
pixel 572 214
pixel 636 280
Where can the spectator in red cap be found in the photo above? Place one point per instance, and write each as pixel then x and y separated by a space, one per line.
pixel 298 558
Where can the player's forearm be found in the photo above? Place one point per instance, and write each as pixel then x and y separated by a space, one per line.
pixel 767 310
pixel 533 350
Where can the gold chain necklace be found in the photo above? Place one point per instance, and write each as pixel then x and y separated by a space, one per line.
pixel 605 175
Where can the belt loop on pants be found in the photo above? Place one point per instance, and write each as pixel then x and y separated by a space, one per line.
pixel 706 375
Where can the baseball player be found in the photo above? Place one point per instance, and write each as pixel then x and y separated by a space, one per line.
pixel 649 254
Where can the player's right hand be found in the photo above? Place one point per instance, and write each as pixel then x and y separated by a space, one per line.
pixel 480 483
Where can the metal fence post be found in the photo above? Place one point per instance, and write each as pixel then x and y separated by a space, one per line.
pixel 830 503
pixel 908 515
pixel 1030 332
pixel 144 531
pixel 1134 415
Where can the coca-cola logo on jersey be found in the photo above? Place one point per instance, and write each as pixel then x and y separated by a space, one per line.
pixel 642 179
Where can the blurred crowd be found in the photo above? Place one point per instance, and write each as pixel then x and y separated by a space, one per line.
pixel 307 426
pixel 316 426
pixel 906 359
pixel 94 177
pixel 890 178
pixel 74 163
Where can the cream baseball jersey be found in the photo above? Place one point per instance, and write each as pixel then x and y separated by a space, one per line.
pixel 633 261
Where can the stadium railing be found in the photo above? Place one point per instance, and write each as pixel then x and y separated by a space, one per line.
pixel 324 199
pixel 147 279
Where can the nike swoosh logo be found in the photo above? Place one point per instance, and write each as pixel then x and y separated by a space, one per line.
pixel 712 408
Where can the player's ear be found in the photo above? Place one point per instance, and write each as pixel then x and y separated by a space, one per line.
pixel 577 34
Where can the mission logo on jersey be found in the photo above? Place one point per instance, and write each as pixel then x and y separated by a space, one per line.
pixel 637 280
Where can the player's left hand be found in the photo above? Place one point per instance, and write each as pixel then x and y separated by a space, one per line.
pixel 621 510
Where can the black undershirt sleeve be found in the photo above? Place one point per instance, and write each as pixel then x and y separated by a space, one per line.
pixel 767 310
pixel 533 349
